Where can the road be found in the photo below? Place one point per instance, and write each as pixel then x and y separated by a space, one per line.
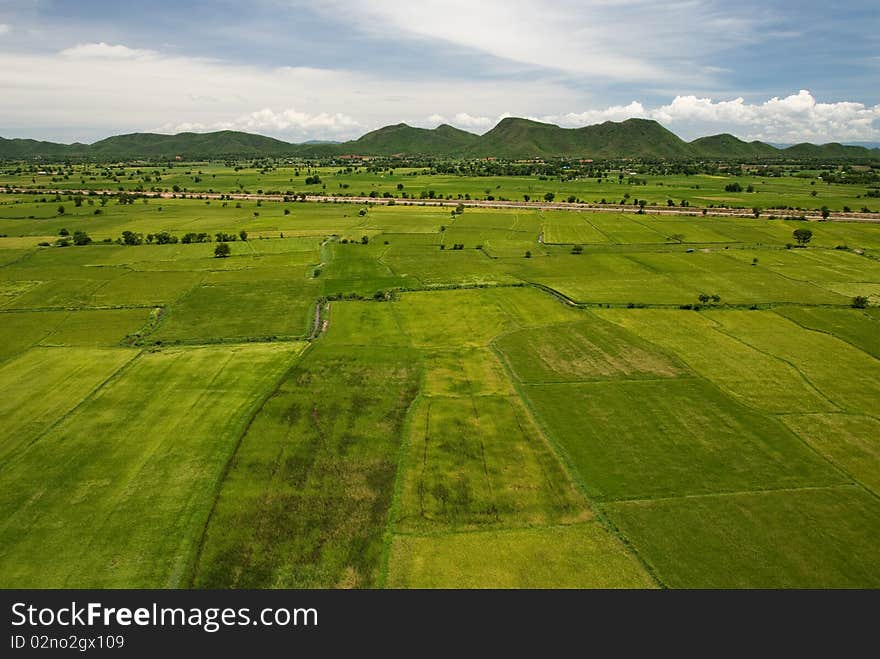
pixel 835 216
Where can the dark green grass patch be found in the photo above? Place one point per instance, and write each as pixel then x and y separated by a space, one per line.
pixel 306 501
pixel 240 310
pixel 481 461
pixel 639 439
pixel 822 538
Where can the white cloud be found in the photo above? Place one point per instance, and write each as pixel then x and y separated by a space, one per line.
pixel 630 40
pixel 107 51
pixel 90 91
pixel 5 28
pixel 267 120
pixel 94 90
pixel 613 113
pixel 795 118
pixel 466 120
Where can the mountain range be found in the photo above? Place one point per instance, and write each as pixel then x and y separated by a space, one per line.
pixel 512 138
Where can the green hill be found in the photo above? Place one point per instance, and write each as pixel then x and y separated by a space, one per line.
pixel 189 145
pixel 832 150
pixel 512 138
pixel 633 138
pixel 728 146
pixel 20 149
pixel 401 138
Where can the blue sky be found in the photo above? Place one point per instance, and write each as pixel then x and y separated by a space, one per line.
pixel 777 71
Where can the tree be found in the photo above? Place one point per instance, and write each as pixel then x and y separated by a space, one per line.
pixel 61 210
pixel 860 302
pixel 81 238
pixel 802 236
pixel 825 212
pixel 243 234
pixel 222 250
pixel 756 211
pixel 577 249
pixel 132 238
pixel 365 240
pixel 549 197
pixel 733 187
pixel 63 232
pixel 528 255
pixel 677 237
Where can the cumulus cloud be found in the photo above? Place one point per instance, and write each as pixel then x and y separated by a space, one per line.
pixel 106 51
pixel 612 113
pixel 463 120
pixel 795 118
pixel 267 120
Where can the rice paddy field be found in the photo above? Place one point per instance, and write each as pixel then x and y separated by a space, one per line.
pixel 369 397
pixel 801 189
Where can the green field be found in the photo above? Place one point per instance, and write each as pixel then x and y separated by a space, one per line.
pixel 797 189
pixel 348 400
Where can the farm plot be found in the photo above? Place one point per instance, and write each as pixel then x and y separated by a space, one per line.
pixel 841 372
pixel 755 378
pixel 44 384
pixel 240 310
pixel 479 461
pixel 572 228
pixel 850 441
pixel 307 497
pixel 854 326
pixel 577 556
pixel 117 493
pixel 587 350
pixel 678 436
pixel 811 538
pixel 464 372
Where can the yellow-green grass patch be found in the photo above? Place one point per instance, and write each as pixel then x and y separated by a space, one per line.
pixel 118 493
pixel 465 372
pixel 578 556
pixel 755 378
pixel 850 441
pixel 844 374
pixel 44 384
pixel 587 350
